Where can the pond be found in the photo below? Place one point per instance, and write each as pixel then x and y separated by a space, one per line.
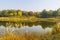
pixel 36 29
pixel 26 27
pixel 44 24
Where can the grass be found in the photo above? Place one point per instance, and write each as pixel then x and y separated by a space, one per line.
pixel 30 36
pixel 31 19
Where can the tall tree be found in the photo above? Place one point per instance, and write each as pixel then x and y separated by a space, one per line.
pixel 55 14
pixel 24 13
pixel 58 11
pixel 4 13
pixel 37 14
pixel 44 14
pixel 0 13
pixel 30 13
pixel 50 12
pixel 12 13
pixel 19 13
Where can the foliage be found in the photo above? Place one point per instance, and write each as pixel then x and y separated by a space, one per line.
pixel 30 36
pixel 42 14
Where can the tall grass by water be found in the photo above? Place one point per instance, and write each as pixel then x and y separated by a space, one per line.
pixel 27 33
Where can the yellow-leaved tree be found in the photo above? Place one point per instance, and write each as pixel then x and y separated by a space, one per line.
pixel 19 12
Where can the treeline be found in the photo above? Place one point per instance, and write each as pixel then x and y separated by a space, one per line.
pixel 9 13
pixel 20 13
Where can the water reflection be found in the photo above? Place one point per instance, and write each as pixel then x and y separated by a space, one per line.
pixel 26 29
pixel 44 24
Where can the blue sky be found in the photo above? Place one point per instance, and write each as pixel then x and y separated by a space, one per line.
pixel 30 5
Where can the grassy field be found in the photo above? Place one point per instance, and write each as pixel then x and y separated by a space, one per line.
pixel 30 19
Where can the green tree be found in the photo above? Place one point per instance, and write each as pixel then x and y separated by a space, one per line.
pixel 12 13
pixel 25 13
pixel 44 14
pixel 0 13
pixel 55 14
pixel 58 12
pixel 50 12
pixel 37 14
pixel 4 13
pixel 30 13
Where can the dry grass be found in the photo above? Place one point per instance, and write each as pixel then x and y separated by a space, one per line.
pixel 30 36
pixel 24 36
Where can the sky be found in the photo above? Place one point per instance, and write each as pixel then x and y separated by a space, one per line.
pixel 30 5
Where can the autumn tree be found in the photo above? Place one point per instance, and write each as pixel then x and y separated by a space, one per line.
pixel 19 13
